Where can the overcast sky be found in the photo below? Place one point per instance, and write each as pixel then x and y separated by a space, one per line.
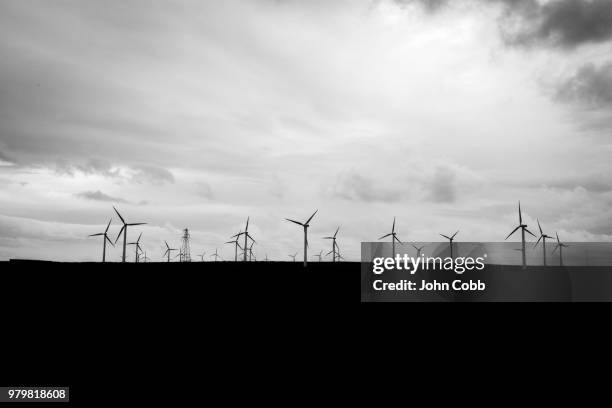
pixel 200 113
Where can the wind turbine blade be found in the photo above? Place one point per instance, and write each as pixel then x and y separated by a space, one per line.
pixel 237 235
pixel 166 253
pixel 445 236
pixel 97 235
pixel 338 229
pixel 556 247
pixel 138 223
pixel 247 224
pixel 306 223
pixel 393 228
pixel 295 222
pixel 328 237
pixel 120 217
pixel 513 231
pixel 455 234
pixel 520 214
pixel 120 231
pixel 558 242
pixel 397 239
pixel 530 232
pixel 540 227
pixel 329 253
pixel 140 236
pixel 167 246
pixel 250 237
pixel 536 244
pixel 108 226
pixel 385 236
pixel 109 241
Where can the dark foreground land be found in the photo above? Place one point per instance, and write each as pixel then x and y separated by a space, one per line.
pixel 125 332
pixel 276 283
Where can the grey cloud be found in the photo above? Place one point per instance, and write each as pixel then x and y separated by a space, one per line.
pixel 204 190
pixel 99 196
pixel 596 183
pixel 442 186
pixel 590 85
pixel 355 187
pixel 152 174
pixel 562 23
pixel 569 23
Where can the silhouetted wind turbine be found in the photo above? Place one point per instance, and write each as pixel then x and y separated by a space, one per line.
pixel 246 236
pixel 543 237
pixel 146 258
pixel 124 230
pixel 305 225
pixel 215 255
pixel 293 256
pixel 169 250
pixel 106 238
pixel 419 249
pixel 236 244
pixel 450 240
pixel 333 238
pixel 251 252
pixel 319 255
pixel 560 247
pixel 202 256
pixel 394 238
pixel 523 228
pixel 138 248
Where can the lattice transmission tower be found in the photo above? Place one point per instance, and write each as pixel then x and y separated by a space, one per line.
pixel 185 249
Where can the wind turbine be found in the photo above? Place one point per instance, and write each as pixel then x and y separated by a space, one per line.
pixel 543 237
pixel 419 249
pixel 293 256
pixel 202 256
pixel 394 238
pixel 450 240
pixel 523 228
pixel 138 247
pixel 319 255
pixel 124 230
pixel 560 247
pixel 237 245
pixel 266 259
pixel 169 250
pixel 305 225
pixel 246 236
pixel 106 238
pixel 333 238
pixel 146 258
pixel 251 252
pixel 215 255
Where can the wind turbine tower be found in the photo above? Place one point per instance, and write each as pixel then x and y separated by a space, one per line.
pixel 560 245
pixel 305 225
pixel 523 228
pixel 543 237
pixel 106 238
pixel 334 245
pixel 124 230
pixel 394 238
